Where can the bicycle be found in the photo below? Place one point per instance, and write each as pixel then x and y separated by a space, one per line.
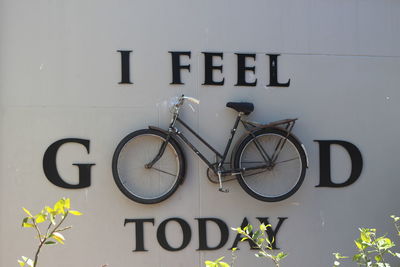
pixel 269 162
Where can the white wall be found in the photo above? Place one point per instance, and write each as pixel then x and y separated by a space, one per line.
pixel 59 74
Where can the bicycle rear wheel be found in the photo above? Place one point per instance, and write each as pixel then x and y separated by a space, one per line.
pixel 285 172
pixel 147 185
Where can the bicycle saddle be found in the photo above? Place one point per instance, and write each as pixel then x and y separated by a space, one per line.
pixel 244 107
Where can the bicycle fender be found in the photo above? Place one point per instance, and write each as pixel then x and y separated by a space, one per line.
pixel 301 144
pixel 280 129
pixel 178 145
pixel 158 129
pixel 297 139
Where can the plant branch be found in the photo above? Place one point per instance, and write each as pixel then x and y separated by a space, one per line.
pixel 46 238
pixel 37 229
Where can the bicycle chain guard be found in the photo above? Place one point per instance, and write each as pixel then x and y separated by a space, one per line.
pixel 213 177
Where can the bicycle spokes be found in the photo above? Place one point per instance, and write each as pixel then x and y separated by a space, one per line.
pixel 277 176
pixel 157 169
pixel 284 161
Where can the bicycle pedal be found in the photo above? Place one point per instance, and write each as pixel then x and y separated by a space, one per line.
pixel 223 190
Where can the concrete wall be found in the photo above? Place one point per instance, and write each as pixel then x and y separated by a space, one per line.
pixel 59 78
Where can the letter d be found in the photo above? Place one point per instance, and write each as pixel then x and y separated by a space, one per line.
pixel 325 163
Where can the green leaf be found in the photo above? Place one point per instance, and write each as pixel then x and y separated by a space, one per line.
pixel 240 231
pixel 358 244
pixel 262 254
pixel 216 263
pixel 27 212
pixel 50 243
pixel 75 212
pixel 365 237
pixel 384 243
pixel 52 219
pixel 339 256
pixel 27 260
pixel 25 220
pixel 59 206
pixel 41 218
pixel 27 225
pixel 263 227
pixel 358 257
pixel 67 203
pixel 256 235
pixel 48 209
pixel 58 237
pixel 281 255
pixel 249 228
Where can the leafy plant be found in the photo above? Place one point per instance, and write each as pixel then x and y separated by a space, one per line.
pixel 217 263
pixel 48 227
pixel 261 241
pixel 372 250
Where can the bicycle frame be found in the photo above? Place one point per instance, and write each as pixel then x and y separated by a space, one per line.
pixel 221 157
pixel 216 167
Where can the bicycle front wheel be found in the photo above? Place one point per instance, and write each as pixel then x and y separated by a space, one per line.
pixel 147 185
pixel 277 163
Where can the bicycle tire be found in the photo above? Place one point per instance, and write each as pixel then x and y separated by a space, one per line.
pixel 153 185
pixel 280 181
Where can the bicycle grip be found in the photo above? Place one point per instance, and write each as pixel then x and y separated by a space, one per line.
pixel 192 99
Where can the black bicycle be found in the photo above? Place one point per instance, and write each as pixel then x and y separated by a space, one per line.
pixel 268 161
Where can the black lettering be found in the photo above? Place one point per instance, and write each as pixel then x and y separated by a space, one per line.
pixel 209 68
pixel 50 166
pixel 186 232
pixel 242 68
pixel 125 66
pixel 177 67
pixel 139 232
pixel 273 72
pixel 223 228
pixel 325 179
pixel 272 233
pixel 239 236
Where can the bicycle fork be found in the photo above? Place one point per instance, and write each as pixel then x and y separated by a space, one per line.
pixel 159 154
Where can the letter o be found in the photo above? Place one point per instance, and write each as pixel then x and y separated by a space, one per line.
pixel 186 231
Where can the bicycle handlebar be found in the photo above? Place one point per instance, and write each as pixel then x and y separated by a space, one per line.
pixel 180 102
pixel 192 99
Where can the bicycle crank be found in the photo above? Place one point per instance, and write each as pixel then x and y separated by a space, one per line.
pixel 213 177
pixel 221 188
